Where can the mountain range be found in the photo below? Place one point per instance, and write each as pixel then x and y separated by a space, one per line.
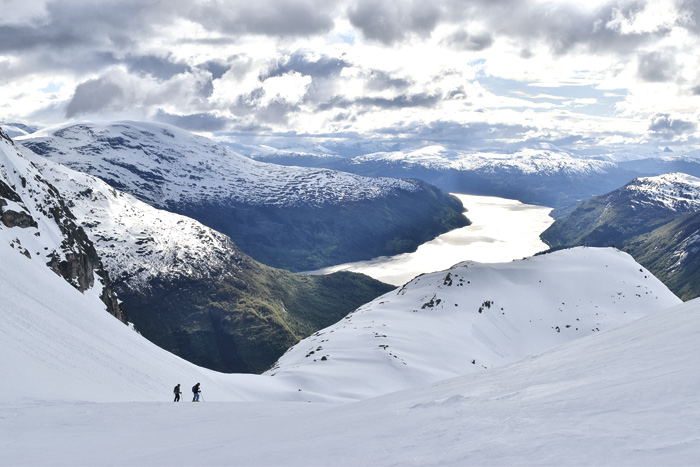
pixel 655 219
pixel 289 217
pixel 545 175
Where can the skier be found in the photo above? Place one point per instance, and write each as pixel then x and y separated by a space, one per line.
pixel 195 391
pixel 177 393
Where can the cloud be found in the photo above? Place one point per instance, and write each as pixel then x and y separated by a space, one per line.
pixel 158 67
pixel 304 63
pixel 655 67
pixel 668 127
pixel 402 101
pixel 389 21
pixel 217 68
pixel 319 67
pixel 119 91
pixel 93 96
pixel 475 135
pixel 379 80
pixel 265 17
pixel 203 121
pixel 464 41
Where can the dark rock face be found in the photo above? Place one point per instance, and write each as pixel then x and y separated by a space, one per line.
pixel 17 219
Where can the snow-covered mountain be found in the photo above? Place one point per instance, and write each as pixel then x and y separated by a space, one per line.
pixel 165 166
pixel 298 218
pixel 472 317
pixel 189 289
pixel 656 219
pixel 675 191
pixel 630 392
pixel 137 242
pixel 36 222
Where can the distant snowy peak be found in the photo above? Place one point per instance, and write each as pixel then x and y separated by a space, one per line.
pixel 675 191
pixel 164 165
pixel 472 317
pixel 14 130
pixel 137 242
pixel 526 161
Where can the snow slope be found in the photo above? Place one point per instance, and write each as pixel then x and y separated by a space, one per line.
pixel 630 396
pixel 163 165
pixel 472 317
pixel 59 344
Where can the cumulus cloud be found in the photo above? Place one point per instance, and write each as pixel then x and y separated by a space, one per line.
pixel 117 90
pixel 389 21
pixel 265 17
pixel 203 121
pixel 465 41
pixel 669 127
pixel 306 63
pixel 93 96
pixel 401 101
pixel 162 68
pixel 656 67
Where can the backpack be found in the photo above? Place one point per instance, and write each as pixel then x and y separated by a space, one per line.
pixel 195 388
pixel 177 389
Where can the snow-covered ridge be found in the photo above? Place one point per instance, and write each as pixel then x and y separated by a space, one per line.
pixel 165 165
pixel 675 191
pixel 41 241
pixel 136 241
pixel 526 160
pixel 472 317
pixel 36 223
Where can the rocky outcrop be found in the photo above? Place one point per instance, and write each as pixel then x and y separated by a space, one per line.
pixel 30 204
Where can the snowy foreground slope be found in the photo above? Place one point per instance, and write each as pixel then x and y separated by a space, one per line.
pixel 473 317
pixel 629 396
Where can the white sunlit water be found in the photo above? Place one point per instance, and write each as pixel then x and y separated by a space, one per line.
pixel 502 230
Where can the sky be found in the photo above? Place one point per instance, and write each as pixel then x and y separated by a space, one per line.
pixel 475 74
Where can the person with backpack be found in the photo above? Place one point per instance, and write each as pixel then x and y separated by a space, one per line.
pixel 177 393
pixel 195 391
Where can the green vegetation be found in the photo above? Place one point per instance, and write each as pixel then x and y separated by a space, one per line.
pixel 244 322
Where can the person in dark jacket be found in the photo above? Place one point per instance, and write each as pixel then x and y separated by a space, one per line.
pixel 177 393
pixel 195 391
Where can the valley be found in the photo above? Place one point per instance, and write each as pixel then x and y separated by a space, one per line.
pixel 478 327
pixel 500 230
pixel 358 233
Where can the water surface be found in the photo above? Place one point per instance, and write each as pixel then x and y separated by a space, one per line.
pixel 501 230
